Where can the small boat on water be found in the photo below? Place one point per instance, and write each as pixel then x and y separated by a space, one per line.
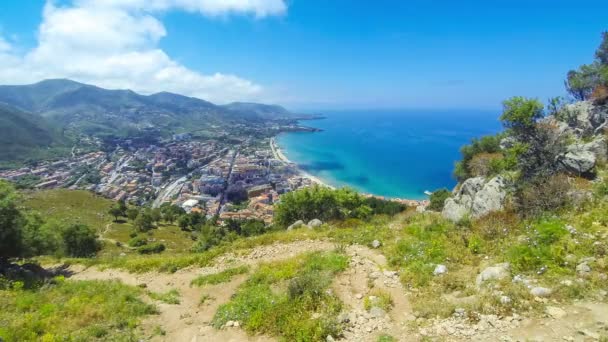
pixel 428 193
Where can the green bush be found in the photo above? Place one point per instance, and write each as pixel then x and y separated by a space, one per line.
pixel 80 241
pixel 544 247
pixel 152 248
pixel 321 203
pixel 438 198
pixel 138 241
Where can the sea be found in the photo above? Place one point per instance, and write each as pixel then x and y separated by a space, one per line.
pixel 391 153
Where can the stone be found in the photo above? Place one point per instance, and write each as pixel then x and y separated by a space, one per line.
pixel 297 224
pixel 496 272
pixel 476 197
pixel 236 324
pixel 440 269
pixel 490 198
pixel 583 269
pixel 376 244
pixel 359 296
pixel 555 312
pixel 315 223
pixel 329 338
pixel 541 292
pixel 377 312
pixel 230 324
pixel 577 161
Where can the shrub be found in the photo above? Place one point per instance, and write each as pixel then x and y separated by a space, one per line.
pixel 138 241
pixel 543 195
pixel 438 199
pixel 152 248
pixel 542 248
pixel 80 241
pixel 485 164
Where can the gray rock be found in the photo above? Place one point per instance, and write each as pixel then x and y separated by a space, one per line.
pixel 583 269
pixel 297 224
pixel 490 198
pixel 599 148
pixel 541 291
pixel 440 269
pixel 315 223
pixel 496 272
pixel 329 338
pixel 376 244
pixel 377 312
pixel 577 161
pixel 476 197
pixel 453 210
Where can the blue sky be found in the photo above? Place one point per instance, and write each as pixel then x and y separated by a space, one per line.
pixel 313 54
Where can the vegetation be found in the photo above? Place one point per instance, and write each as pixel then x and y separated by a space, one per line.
pixel 170 297
pixel 438 198
pixel 221 277
pixel 327 204
pixel 288 312
pixel 71 310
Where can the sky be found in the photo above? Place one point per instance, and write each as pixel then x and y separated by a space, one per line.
pixel 306 54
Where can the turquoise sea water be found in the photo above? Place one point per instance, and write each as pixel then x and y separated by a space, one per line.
pixel 388 153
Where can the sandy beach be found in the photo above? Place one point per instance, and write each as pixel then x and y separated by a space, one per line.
pixel 278 154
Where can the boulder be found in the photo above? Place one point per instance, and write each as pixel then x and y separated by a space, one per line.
pixel 440 269
pixel 476 197
pixel 377 312
pixel 541 291
pixel 297 224
pixel 376 244
pixel 583 269
pixel 577 160
pixel 496 272
pixel 490 198
pixel 599 148
pixel 315 223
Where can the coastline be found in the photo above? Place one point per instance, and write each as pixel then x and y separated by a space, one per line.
pixel 278 154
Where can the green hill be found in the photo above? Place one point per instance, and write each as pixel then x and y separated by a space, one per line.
pixel 83 108
pixel 26 136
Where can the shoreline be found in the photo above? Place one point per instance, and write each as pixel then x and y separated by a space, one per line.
pixel 278 154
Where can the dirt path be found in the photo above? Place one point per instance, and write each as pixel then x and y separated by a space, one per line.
pixel 189 320
pixel 367 276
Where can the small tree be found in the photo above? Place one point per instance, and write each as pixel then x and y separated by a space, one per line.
pixel 602 51
pixel 520 115
pixel 183 222
pixel 80 241
pixel 156 215
pixel 11 223
pixel 132 214
pixel 143 222
pixel 116 211
pixel 438 198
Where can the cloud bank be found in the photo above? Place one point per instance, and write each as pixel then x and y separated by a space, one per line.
pixel 114 44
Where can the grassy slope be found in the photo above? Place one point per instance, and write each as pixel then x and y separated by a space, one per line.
pixel 72 310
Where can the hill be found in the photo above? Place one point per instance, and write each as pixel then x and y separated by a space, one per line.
pixel 27 136
pixel 92 110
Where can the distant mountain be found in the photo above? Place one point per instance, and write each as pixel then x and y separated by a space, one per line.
pixel 259 111
pixel 27 136
pixel 93 110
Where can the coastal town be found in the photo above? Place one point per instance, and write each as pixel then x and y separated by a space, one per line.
pixel 214 178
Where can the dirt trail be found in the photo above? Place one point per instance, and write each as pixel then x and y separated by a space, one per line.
pixel 366 276
pixel 189 320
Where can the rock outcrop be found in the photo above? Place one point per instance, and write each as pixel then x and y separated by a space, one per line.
pixel 577 161
pixel 476 198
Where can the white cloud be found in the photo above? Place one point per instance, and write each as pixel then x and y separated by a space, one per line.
pixel 114 44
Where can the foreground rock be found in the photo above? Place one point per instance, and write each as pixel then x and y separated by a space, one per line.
pixel 476 198
pixel 496 272
pixel 295 225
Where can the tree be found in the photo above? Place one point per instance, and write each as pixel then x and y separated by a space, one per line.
pixel 144 221
pixel 156 215
pixel 116 211
pixel 11 223
pixel 602 51
pixel 132 214
pixel 520 115
pixel 122 206
pixel 438 198
pixel 183 222
pixel 80 241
